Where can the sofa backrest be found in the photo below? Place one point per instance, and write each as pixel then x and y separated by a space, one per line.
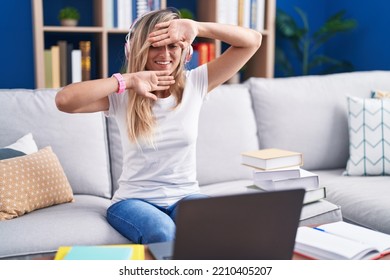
pixel 78 140
pixel 227 127
pixel 309 114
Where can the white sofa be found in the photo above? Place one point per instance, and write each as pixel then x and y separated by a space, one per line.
pixel 306 114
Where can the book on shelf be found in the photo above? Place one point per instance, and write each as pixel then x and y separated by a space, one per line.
pixel 85 47
pixel 205 52
pixel 268 159
pixel 101 252
pixel 258 15
pixel 244 13
pixel 76 66
pixel 306 180
pixel 311 195
pixel 227 12
pixel 69 49
pixel 55 66
pixel 48 69
pixel 121 13
pixel 63 46
pixel 341 241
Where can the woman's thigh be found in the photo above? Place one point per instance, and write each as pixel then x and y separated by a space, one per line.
pixel 173 208
pixel 140 221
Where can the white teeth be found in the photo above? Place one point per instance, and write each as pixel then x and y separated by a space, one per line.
pixel 163 62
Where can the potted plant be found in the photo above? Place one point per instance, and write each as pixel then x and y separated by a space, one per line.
pixel 69 16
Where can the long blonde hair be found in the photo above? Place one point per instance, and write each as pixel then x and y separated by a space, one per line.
pixel 140 119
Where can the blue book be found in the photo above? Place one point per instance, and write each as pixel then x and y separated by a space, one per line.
pixel 99 253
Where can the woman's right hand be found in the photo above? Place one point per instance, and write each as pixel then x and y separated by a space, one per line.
pixel 146 82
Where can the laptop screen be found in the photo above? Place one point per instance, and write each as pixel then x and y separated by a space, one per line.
pixel 246 226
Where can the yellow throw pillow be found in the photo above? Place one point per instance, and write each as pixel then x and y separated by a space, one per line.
pixel 32 182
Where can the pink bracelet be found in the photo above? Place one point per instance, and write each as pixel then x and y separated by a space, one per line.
pixel 121 82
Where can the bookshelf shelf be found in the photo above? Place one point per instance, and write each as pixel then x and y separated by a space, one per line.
pixel 105 38
pixel 100 34
pixel 83 29
pixel 262 63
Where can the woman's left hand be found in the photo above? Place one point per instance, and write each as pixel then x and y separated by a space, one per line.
pixel 180 31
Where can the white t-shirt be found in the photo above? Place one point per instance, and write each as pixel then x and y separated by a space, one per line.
pixel 165 173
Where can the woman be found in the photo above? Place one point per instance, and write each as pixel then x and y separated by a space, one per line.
pixel 156 105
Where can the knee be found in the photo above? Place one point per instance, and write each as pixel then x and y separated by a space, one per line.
pixel 159 233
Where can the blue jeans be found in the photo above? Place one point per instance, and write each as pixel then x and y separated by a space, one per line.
pixel 143 222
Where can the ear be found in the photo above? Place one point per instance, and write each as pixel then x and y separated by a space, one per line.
pixel 189 54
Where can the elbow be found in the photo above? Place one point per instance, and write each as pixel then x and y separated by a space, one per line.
pixel 258 40
pixel 62 102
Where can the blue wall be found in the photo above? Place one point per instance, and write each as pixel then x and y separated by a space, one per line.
pixel 367 47
pixel 16 47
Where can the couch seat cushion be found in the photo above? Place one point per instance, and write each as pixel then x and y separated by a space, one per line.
pixel 363 200
pixel 42 231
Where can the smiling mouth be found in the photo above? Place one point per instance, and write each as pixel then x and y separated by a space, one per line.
pixel 163 62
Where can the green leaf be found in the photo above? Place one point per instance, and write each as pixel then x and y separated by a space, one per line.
pixel 287 27
pixel 282 63
pixel 335 24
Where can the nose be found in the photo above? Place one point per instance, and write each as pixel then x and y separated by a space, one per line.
pixel 163 50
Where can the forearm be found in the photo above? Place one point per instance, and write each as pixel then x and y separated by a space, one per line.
pixel 92 96
pixel 75 97
pixel 233 35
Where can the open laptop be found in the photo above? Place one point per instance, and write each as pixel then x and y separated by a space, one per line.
pixel 246 226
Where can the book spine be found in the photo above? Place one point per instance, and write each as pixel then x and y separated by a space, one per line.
pixel 55 65
pixel 63 62
pixel 203 52
pixel 240 17
pixel 109 13
pixel 85 47
pixel 69 50
pixel 76 66
pixel 260 15
pixel 48 69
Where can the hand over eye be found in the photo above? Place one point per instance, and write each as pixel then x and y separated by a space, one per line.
pixel 145 82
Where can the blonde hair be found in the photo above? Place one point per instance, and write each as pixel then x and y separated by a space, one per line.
pixel 140 119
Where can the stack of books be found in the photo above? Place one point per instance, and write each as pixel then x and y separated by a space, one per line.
pixel 277 169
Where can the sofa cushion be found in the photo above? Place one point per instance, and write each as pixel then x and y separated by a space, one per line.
pixel 82 222
pixel 364 200
pixel 32 182
pixel 369 134
pixel 79 140
pixel 309 114
pixel 227 127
